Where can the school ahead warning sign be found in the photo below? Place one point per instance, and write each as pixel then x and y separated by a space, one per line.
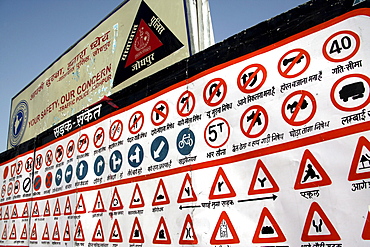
pixel 229 154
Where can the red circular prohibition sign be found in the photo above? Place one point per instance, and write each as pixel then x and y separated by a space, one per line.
pixel 213 89
pixel 292 61
pixel 292 119
pixel 252 78
pixel 254 118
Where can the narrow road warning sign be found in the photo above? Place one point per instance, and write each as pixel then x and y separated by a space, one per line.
pixel 116 203
pixel 70 148
pixel 56 235
pixel 45 234
pixel 162 235
pixel 221 187
pixel 57 211
pixel 351 92
pixel 136 235
pixel 99 204
pixel 59 152
pixel 115 233
pixel 215 92
pixel 360 166
pixel 251 78
pixel 185 104
pixel 341 46
pixel 67 207
pixel 161 197
pixel 187 193
pixel 294 63
pixel 80 206
pixel 310 173
pixel 83 143
pixel 224 232
pixel 79 233
pixel 116 130
pixel 188 236
pixel 49 157
pixel 217 132
pixel 159 113
pixel 318 226
pixel 67 232
pixel 99 136
pixel 299 108
pixel 136 122
pixel 254 121
pixel 137 200
pixel 268 230
pixel 266 183
pixel 98 235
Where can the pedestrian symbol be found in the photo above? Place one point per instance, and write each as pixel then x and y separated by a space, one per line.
pixel 185 141
pixel 135 155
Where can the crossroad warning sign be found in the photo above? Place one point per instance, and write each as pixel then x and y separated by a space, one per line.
pixel 136 235
pixel 221 187
pixel 162 235
pixel 188 236
pixel 360 166
pixel 224 232
pixel 268 230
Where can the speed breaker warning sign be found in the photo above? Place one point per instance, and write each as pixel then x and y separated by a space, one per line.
pixel 284 128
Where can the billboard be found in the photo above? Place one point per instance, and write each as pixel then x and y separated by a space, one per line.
pixel 267 146
pixel 134 41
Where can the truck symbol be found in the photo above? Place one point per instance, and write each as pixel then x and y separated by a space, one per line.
pixel 354 90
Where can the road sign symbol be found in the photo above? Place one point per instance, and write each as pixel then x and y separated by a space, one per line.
pixel 137 200
pixel 67 235
pixel 310 173
pixel 18 168
pixel 24 232
pixel 268 230
pixel 161 197
pixel 221 187
pixel 299 108
pixel 217 132
pixel 48 157
pixel 48 180
pixel 116 130
pixel 187 193
pixel 366 230
pixel 4 235
pixel 80 206
pixel 159 148
pixel 6 214
pixel 360 166
pixel 251 78
pixel 83 143
pixel 79 233
pixel 29 164
pixel 116 203
pixel 185 104
pixel 25 213
pixel 185 141
pixel 12 170
pixel 58 177
pixel 266 183
pixel 70 148
pixel 115 234
pixel 38 162
pixel 215 92
pixel 135 155
pixel 318 226
pixel 341 46
pixel 99 204
pixel 56 235
pixel 351 92
pixel 13 233
pixel 26 185
pixel 188 236
pixel 14 212
pixel 57 211
pixel 159 113
pixel 10 188
pixel 37 183
pixel 35 210
pixel 3 191
pixel 115 161
pixel 68 174
pixel 136 122
pixel 254 121
pixel 136 235
pixel 47 209
pixel 99 137
pixel 294 63
pixel 45 234
pixel 67 207
pixel 224 232
pixel 162 235
pixel 81 169
pixel 17 187
pixel 6 171
pixel 99 165
pixel 33 235
pixel 59 152
pixel 98 235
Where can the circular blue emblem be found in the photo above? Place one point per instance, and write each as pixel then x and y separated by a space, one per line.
pixel 18 123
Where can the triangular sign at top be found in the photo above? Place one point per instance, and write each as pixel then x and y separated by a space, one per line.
pixel 98 235
pixel 116 203
pixel 161 196
pixel 310 173
pixel 266 183
pixel 268 230
pixel 221 187
pixel 187 193
pixel 115 234
pixel 80 206
pixel 137 200
pixel 162 235
pixel 99 204
pixel 224 232
pixel 360 167
pixel 136 235
pixel 188 236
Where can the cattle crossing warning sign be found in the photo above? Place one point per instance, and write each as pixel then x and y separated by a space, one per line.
pixel 266 127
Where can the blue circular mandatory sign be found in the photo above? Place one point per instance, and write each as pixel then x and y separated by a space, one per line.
pixel 99 165
pixel 135 155
pixel 159 148
pixel 185 141
pixel 18 123
pixel 58 177
pixel 68 174
pixel 115 161
pixel 81 170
